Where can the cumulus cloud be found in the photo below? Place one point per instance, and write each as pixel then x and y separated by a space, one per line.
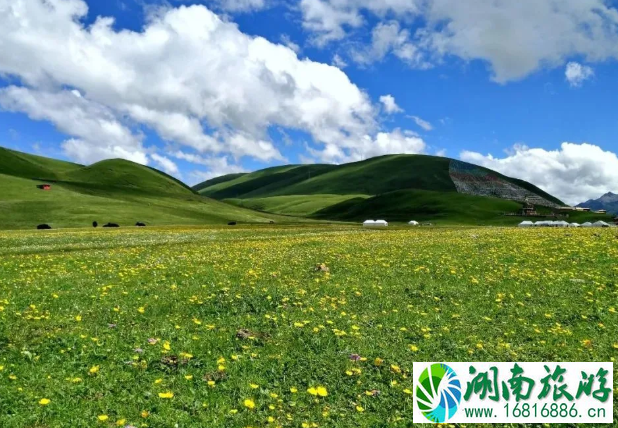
pixel 515 37
pixel 394 142
pixel 573 173
pixel 389 38
pixel 217 166
pixel 166 164
pixel 389 104
pixel 422 123
pixel 576 73
pixel 192 77
pixel 97 132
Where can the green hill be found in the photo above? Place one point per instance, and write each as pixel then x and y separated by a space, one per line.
pixel 217 180
pixel 31 166
pixel 396 187
pixel 114 190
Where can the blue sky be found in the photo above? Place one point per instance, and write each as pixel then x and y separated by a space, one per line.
pixel 201 89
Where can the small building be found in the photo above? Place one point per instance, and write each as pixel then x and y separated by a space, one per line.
pixel 528 210
pixel 526 224
pixel 381 223
pixel 561 224
pixel 44 186
pixel 586 210
pixel 587 224
pixel 601 212
pixel 413 223
pixel 575 225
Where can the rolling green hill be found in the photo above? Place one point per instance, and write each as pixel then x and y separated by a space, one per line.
pixel 114 190
pixel 395 187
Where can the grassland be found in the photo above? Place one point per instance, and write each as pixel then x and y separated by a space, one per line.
pixel 211 327
pixel 116 191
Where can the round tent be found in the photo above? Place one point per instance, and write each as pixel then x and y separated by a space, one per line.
pixel 526 224
pixel 575 225
pixel 368 223
pixel 561 224
pixel 587 224
pixel 413 223
pixel 600 224
pixel 381 223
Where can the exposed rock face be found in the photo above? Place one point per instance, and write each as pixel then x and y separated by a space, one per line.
pixel 473 180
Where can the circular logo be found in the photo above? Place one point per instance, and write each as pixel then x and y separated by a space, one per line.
pixel 438 393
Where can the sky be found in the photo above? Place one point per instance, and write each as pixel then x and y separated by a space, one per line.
pixel 204 88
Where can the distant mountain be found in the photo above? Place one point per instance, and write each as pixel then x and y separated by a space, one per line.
pixel 396 187
pixel 608 202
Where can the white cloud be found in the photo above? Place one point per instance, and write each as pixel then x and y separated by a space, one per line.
pixel 217 166
pixel 285 39
pixel 389 104
pixel 98 133
pixel 395 142
pixel 339 62
pixel 574 173
pixel 576 73
pixel 166 164
pixel 193 78
pixel 389 38
pixel 240 5
pixel 515 37
pixel 422 123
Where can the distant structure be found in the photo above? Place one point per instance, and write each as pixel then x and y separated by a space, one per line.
pixel 44 186
pixel 601 212
pixel 526 224
pixel 375 223
pixel 413 223
pixel 528 210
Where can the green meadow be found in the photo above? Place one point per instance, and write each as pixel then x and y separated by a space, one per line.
pixel 283 326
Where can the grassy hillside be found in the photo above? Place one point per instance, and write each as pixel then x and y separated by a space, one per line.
pixel 121 173
pixel 217 180
pixel 394 186
pixel 294 205
pixel 267 182
pixel 115 191
pixel 435 207
pixel 31 166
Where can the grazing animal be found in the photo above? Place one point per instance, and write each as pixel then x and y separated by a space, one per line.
pixel 272 222
pixel 43 227
pixel 232 223
pixel 140 224
pixel 95 224
pixel 110 225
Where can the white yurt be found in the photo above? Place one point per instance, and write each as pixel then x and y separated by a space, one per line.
pixel 413 223
pixel 575 225
pixel 368 223
pixel 526 224
pixel 381 223
pixel 600 224
pixel 542 223
pixel 561 224
pixel 587 224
